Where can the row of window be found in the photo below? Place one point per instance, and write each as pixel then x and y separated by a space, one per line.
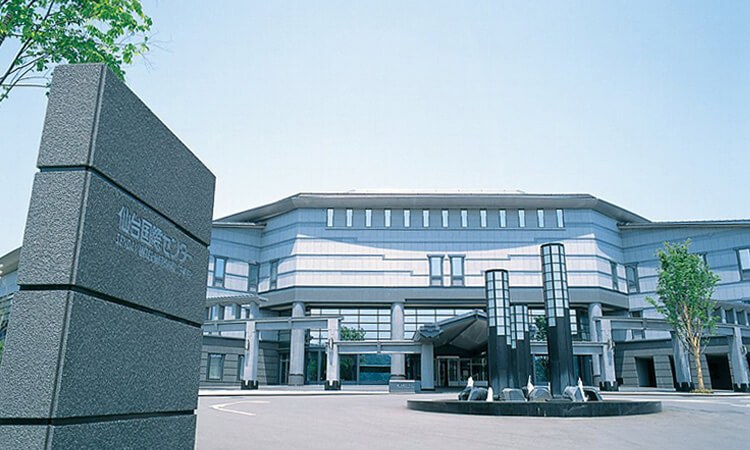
pixel 445 216
pixel 215 367
pixel 631 277
pixel 456 267
pixel 242 276
pixel 633 283
pixel 236 275
pixel 375 323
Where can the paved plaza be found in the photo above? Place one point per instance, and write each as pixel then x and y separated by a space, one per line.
pixel 382 421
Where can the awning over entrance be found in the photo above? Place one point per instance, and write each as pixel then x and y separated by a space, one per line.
pixel 464 335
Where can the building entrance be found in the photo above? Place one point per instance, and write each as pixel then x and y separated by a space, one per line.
pixel 447 373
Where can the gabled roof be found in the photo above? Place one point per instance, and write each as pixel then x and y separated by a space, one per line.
pixel 432 199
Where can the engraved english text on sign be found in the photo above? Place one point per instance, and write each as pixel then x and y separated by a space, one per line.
pixel 145 239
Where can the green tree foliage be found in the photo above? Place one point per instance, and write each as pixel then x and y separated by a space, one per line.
pixel 685 289
pixel 540 322
pixel 351 334
pixel 38 34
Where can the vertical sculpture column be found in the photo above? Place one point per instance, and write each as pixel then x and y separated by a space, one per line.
pixel 252 350
pixel 557 311
pixel 681 365
pixel 499 332
pixel 103 349
pixel 333 382
pixel 297 349
pixel 398 361
pixel 738 361
pixel 522 362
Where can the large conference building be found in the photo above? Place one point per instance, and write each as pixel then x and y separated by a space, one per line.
pixel 392 264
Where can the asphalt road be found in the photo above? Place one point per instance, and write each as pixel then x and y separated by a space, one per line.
pixel 383 422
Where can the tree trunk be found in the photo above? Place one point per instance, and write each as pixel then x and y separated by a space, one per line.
pixel 698 367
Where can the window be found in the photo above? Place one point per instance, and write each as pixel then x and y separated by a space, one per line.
pixel 457 270
pixel 445 218
pixel 273 274
pixel 215 366
pixel 540 218
pixel 375 322
pixel 220 265
pixel 483 218
pixel 407 218
pixel 704 258
pixel 560 218
pixel 464 218
pixel 425 218
pixel 349 217
pixel 253 278
pixel 503 223
pixel 613 271
pixel 240 367
pixel 368 218
pixel 329 217
pixel 387 218
pixel 743 255
pixel 521 218
pixel 436 270
pixel 631 273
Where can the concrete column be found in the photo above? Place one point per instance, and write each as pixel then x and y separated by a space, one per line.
pixel 252 348
pixel 427 359
pixel 595 311
pixel 297 349
pixel 398 361
pixel 681 365
pixel 608 380
pixel 738 361
pixel 333 382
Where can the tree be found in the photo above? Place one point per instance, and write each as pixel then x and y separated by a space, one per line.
pixel 351 334
pixel 540 323
pixel 38 34
pixel 349 362
pixel 685 289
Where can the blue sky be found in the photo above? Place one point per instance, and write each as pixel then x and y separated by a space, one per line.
pixel 645 104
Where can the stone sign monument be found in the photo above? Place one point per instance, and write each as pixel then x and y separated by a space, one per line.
pixel 103 350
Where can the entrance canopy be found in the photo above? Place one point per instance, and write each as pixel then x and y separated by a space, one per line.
pixel 464 335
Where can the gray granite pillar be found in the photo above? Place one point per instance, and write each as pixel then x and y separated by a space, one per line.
pixel 738 361
pixel 427 367
pixel 297 349
pixel 684 382
pixel 557 311
pixel 252 350
pixel 333 382
pixel 595 311
pixel 398 361
pixel 103 350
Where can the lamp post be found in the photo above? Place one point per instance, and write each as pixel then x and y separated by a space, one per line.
pixel 499 331
pixel 557 311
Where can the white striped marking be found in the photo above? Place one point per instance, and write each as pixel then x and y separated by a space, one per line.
pixel 223 407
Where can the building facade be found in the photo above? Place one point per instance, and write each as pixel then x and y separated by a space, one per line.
pixel 390 263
